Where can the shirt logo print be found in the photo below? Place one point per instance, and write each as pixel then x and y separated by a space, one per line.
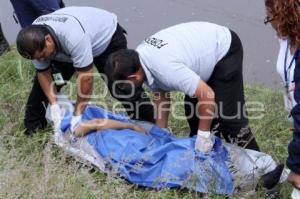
pixel 51 18
pixel 158 43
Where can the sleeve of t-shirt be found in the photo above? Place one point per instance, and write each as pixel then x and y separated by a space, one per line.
pixel 41 65
pixel 81 53
pixel 179 77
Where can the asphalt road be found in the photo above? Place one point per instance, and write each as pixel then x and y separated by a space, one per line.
pixel 142 18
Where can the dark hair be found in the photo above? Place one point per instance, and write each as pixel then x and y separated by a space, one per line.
pixel 121 64
pixel 287 13
pixel 31 39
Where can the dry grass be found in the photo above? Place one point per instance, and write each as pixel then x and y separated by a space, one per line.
pixel 35 168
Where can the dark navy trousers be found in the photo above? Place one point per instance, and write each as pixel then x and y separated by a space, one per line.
pixel 28 10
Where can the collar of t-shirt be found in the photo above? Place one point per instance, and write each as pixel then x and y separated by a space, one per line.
pixel 60 54
pixel 54 37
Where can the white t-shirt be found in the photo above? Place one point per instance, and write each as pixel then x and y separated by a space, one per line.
pixel 289 101
pixel 82 33
pixel 176 58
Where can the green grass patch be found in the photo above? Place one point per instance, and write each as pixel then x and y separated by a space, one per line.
pixel 36 168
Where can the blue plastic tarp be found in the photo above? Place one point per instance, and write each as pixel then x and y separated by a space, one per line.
pixel 159 159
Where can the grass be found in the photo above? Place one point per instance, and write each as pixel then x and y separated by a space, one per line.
pixel 35 168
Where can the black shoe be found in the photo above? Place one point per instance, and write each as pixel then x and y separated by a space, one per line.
pixel 271 179
pixel 31 129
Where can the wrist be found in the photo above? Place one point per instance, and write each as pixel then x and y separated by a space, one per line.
pixel 204 134
pixel 77 113
pixel 53 103
pixel 76 116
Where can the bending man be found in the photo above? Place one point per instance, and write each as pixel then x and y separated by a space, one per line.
pixel 202 60
pixel 68 40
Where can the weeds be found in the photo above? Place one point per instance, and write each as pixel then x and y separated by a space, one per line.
pixel 35 168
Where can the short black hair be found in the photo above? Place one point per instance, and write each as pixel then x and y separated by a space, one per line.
pixel 121 64
pixel 31 39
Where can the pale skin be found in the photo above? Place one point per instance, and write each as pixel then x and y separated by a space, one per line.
pixel 293 177
pixel 85 79
pixel 162 105
pixel 101 124
pixel 204 94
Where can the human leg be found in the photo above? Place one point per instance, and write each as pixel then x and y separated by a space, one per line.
pixel 227 83
pixel 43 7
pixel 25 13
pixel 28 10
pixel 4 46
pixel 190 104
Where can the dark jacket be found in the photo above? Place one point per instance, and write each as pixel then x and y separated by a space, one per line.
pixel 293 161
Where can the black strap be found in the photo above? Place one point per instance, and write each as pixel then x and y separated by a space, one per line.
pixel 53 35
pixel 287 68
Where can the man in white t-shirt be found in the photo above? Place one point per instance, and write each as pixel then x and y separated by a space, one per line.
pixel 70 40
pixel 200 59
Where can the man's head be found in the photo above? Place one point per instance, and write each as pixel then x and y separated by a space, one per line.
pixel 35 42
pixel 124 65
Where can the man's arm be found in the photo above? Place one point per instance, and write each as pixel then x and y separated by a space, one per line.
pixel 206 105
pixel 47 85
pixel 101 124
pixel 162 108
pixel 84 89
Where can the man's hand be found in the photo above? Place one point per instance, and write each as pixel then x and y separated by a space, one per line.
pixel 294 179
pixel 55 115
pixel 75 121
pixel 204 141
